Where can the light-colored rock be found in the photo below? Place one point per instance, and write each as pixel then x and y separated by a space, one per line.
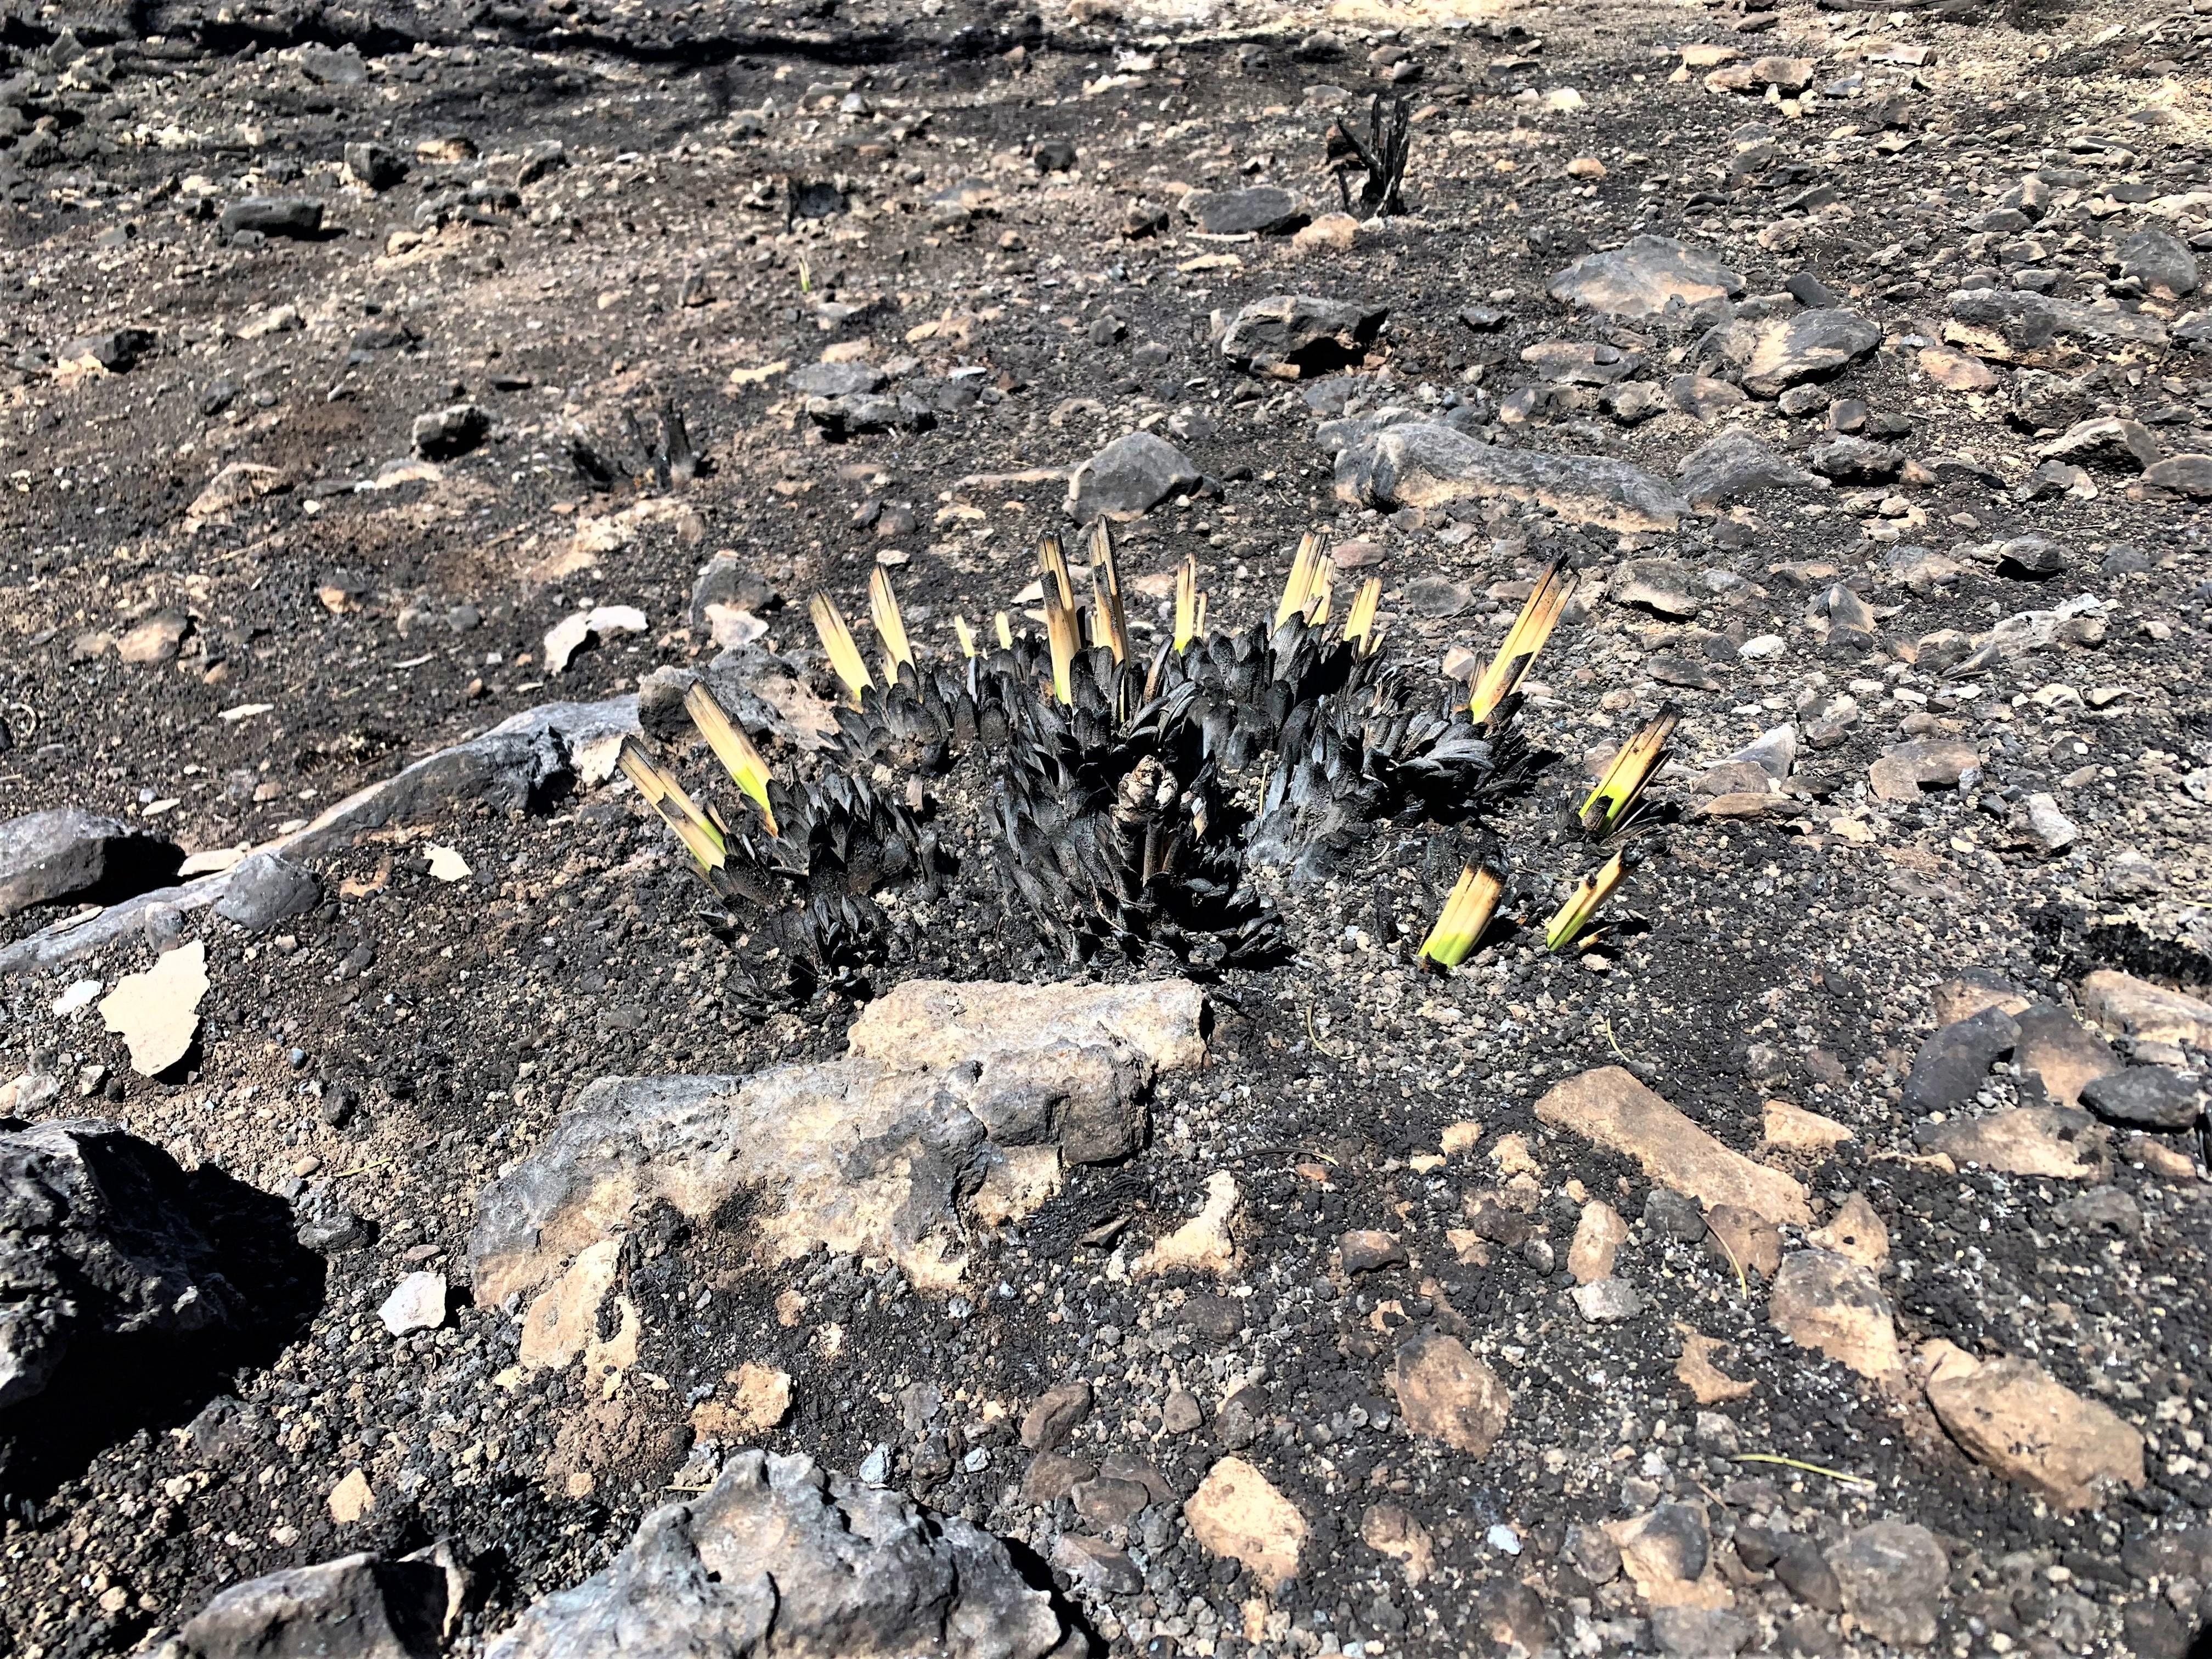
pixel 1645 276
pixel 932 1022
pixel 156 639
pixel 1396 1532
pixel 1333 233
pixel 1855 1232
pixel 1746 1241
pixel 1444 1392
pixel 1829 1302
pixel 1237 1513
pixel 1956 371
pixel 1668 1552
pixel 759 1400
pixel 2059 1054
pixel 1608 1106
pixel 1606 1301
pixel 1598 1237
pixel 1906 768
pixel 156 1013
pixel 446 864
pixel 2019 1419
pixel 1427 464
pixel 2147 1013
pixel 417 1302
pixel 864 1155
pixel 1775 353
pixel 238 483
pixel 1961 999
pixel 351 1499
pixel 2060 1143
pixel 1793 1129
pixel 1695 1370
pixel 1204 1243
pixel 563 1319
pixel 1129 477
pixel 567 636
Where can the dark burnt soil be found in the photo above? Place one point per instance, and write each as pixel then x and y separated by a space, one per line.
pixel 411 1036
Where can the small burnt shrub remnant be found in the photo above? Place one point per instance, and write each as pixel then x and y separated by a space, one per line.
pixel 1092 802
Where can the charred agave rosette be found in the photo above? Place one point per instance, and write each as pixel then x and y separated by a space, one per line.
pixel 1115 804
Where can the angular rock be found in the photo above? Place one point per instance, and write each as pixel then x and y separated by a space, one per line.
pixel 1906 768
pixel 1955 1063
pixel 2014 1416
pixel 72 856
pixel 2187 475
pixel 358 1606
pixel 448 433
pixel 2016 323
pixel 100 1236
pixel 2146 1098
pixel 837 380
pixel 883 1153
pixel 1608 1106
pixel 1849 460
pixel 1427 463
pixel 1666 587
pixel 1263 210
pixel 1855 1232
pixel 1288 336
pixel 1645 276
pixel 1732 465
pixel 265 888
pixel 1055 1415
pixel 1444 1392
pixel 1129 477
pixel 297 217
pixel 2149 1014
pixel 1367 1252
pixel 156 1013
pixel 1606 1301
pixel 2160 260
pixel 2109 442
pixel 1892 1576
pixel 2057 1055
pixel 417 1302
pixel 1204 1243
pixel 117 351
pixel 1599 1235
pixel 2054 1141
pixel 778 1557
pixel 1773 354
pixel 1828 1302
pixel 1237 1514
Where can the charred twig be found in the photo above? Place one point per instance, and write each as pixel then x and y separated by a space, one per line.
pixel 1382 155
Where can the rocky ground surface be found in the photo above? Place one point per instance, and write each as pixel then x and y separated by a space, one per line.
pixel 410 1241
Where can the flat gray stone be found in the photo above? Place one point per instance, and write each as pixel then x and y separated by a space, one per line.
pixel 1427 463
pixel 2161 260
pixel 1263 210
pixel 1773 354
pixel 2146 1098
pixel 1732 466
pixel 358 1606
pixel 1645 276
pixel 836 379
pixel 267 889
pixel 1894 1575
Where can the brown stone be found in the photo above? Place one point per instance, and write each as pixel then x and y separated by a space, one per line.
pixel 1395 1532
pixel 2056 1141
pixel 1237 1513
pixel 1829 1302
pixel 1598 1237
pixel 2060 1053
pixel 1054 1415
pixel 1745 1240
pixel 1444 1392
pixel 1611 1108
pixel 1956 371
pixel 2150 1013
pixel 1793 1129
pixel 1854 1232
pixel 2014 1416
pixel 1708 1384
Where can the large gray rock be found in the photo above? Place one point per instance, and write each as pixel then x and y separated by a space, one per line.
pixel 1645 276
pixel 1773 354
pixel 837 380
pixel 1954 1062
pixel 1290 334
pixel 779 1559
pixel 265 888
pixel 1427 463
pixel 69 856
pixel 2160 260
pixel 955 1102
pixel 98 1238
pixel 1262 210
pixel 358 1606
pixel 1129 477
pixel 2028 323
pixel 299 217
pixel 525 764
pixel 2146 1098
pixel 1733 465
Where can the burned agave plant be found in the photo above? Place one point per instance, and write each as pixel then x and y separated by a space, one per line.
pixel 1114 804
